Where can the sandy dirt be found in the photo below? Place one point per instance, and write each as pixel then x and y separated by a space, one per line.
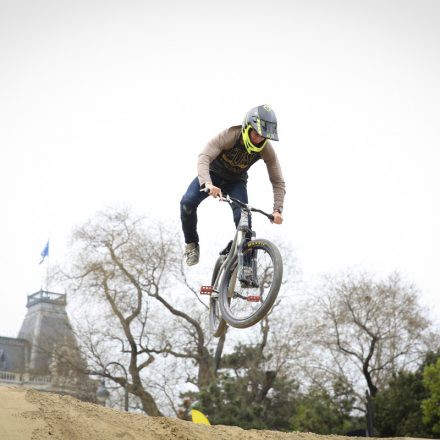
pixel 31 415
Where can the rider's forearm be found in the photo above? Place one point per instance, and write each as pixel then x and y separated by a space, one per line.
pixel 278 187
pixel 276 177
pixel 203 170
pixel 278 197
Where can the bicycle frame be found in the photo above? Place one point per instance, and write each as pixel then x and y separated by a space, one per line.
pixel 232 266
pixel 243 234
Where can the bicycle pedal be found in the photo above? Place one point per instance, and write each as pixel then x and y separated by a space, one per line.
pixel 253 298
pixel 206 290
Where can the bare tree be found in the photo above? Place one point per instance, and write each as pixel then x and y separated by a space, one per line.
pixel 128 272
pixel 367 328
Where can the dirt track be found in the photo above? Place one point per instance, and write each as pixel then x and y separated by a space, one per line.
pixel 30 415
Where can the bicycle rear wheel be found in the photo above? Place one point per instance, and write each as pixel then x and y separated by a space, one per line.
pixel 242 306
pixel 217 324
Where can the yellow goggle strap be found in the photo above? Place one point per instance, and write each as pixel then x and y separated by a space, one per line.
pixel 250 147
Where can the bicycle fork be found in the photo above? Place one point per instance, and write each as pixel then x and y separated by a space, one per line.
pixel 247 270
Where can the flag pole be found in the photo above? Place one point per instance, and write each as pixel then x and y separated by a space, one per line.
pixel 47 277
pixel 45 254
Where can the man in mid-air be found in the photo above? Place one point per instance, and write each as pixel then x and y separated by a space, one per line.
pixel 222 168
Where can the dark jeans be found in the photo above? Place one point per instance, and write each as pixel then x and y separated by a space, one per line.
pixel 193 197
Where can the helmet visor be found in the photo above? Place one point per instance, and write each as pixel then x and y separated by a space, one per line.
pixel 268 130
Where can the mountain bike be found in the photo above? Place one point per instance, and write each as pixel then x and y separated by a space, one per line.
pixel 246 277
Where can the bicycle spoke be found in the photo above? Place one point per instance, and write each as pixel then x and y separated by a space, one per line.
pixel 245 301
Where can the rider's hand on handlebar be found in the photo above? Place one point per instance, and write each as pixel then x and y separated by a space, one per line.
pixel 277 218
pixel 214 191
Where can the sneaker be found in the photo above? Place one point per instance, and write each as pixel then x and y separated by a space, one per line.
pixel 192 254
pixel 246 277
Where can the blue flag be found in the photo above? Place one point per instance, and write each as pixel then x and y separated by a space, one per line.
pixel 45 252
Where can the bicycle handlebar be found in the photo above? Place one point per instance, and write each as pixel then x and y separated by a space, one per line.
pixel 242 205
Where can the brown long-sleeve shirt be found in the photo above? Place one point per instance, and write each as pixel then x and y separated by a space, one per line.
pixel 226 156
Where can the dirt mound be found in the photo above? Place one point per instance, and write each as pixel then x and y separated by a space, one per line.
pixel 31 415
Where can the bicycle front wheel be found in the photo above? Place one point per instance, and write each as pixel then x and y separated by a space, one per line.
pixel 217 324
pixel 241 304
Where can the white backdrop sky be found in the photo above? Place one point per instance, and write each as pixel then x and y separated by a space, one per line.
pixel 109 102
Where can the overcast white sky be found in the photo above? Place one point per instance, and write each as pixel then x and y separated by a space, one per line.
pixel 109 102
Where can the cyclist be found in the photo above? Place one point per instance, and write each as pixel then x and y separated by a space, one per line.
pixel 222 167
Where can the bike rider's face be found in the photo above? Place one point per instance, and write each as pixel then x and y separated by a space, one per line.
pixel 255 137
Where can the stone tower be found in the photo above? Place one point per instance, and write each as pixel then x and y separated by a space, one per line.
pixel 47 328
pixel 45 355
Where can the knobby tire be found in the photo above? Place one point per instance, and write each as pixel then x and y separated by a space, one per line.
pixel 217 324
pixel 229 279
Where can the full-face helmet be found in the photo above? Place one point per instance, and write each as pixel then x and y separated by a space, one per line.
pixel 263 120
